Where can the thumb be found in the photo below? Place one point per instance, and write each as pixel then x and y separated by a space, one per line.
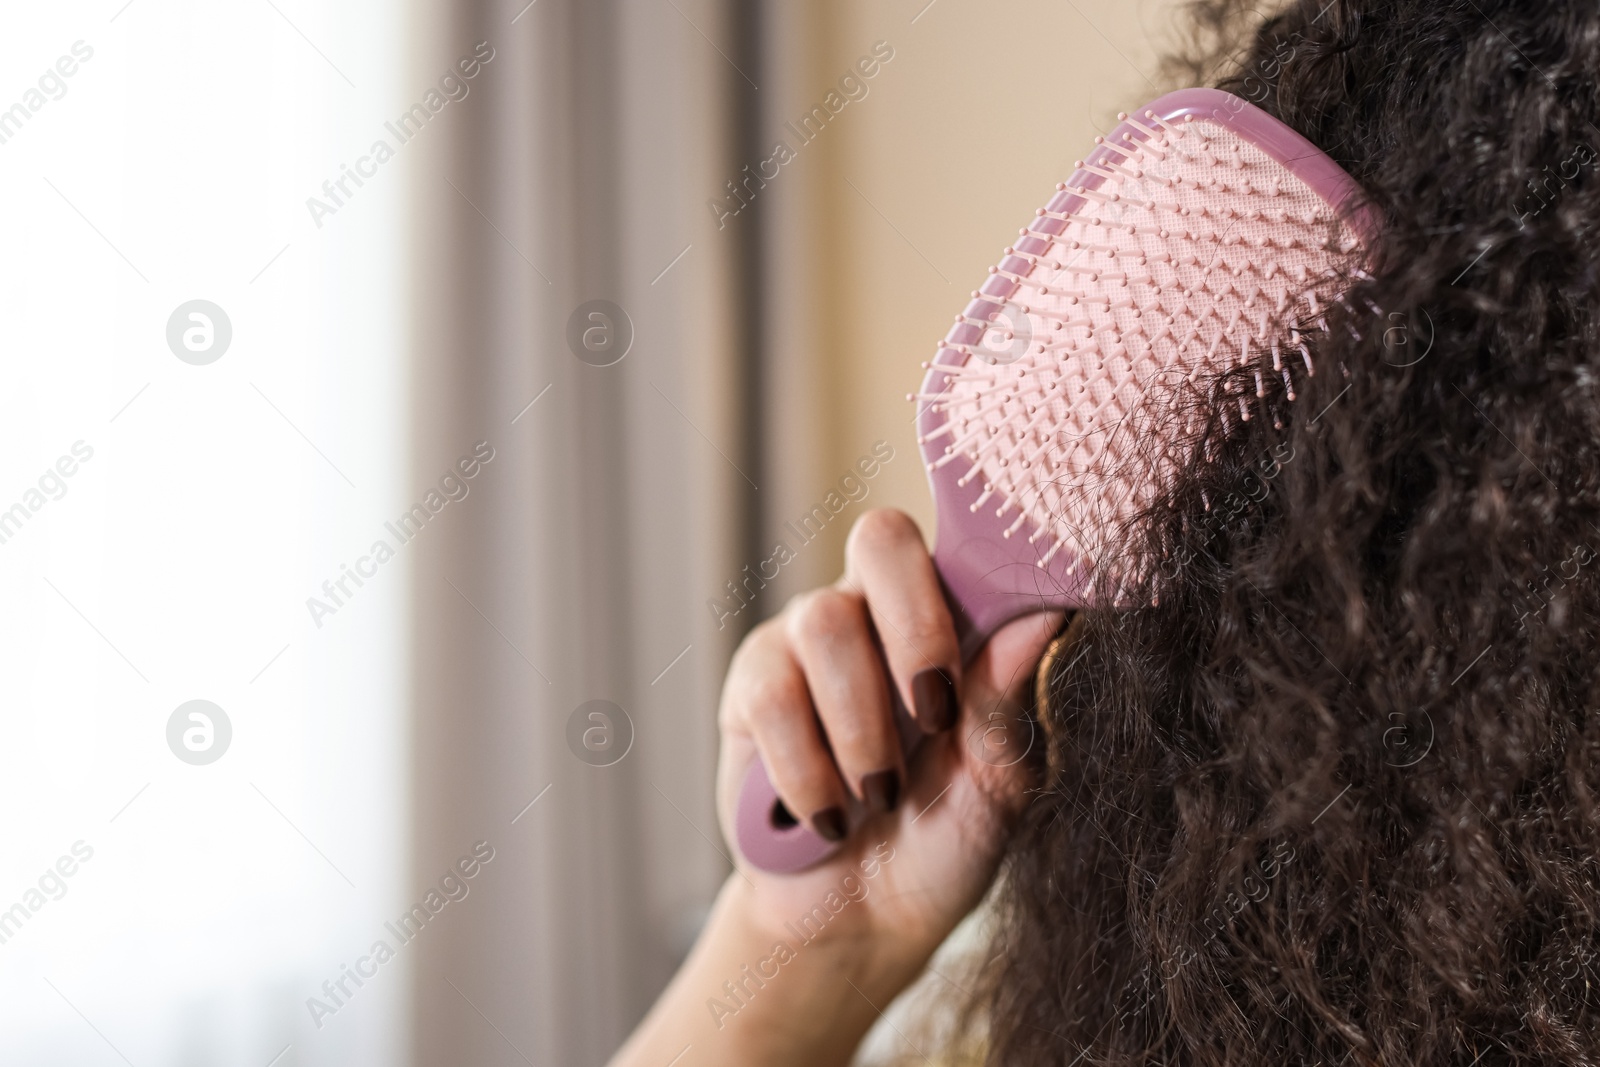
pixel 996 732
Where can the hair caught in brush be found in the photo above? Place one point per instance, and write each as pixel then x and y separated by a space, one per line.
pixel 1332 793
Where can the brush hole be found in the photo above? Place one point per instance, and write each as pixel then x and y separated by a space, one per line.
pixel 781 817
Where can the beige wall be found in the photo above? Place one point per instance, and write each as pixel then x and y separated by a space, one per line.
pixel 884 224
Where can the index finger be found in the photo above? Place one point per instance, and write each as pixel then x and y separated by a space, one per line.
pixel 889 565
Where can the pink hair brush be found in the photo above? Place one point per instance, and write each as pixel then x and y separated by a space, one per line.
pixel 1193 239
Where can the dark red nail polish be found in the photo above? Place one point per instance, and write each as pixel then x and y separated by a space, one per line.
pixel 881 791
pixel 829 824
pixel 933 695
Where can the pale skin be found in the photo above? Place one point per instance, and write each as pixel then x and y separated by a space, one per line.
pixel 809 691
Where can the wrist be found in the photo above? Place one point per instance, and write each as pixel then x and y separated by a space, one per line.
pixel 845 954
pixel 755 994
pixel 790 995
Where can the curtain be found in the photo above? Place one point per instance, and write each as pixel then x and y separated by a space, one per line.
pixel 576 310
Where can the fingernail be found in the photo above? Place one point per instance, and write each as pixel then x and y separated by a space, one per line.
pixel 881 791
pixel 829 823
pixel 934 697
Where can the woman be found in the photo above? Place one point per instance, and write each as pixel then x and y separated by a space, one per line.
pixel 1334 797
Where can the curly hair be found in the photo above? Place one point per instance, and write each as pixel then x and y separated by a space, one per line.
pixel 1333 795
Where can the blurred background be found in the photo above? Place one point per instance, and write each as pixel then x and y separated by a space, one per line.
pixel 400 402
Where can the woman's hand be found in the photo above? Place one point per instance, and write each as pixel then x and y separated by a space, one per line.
pixel 809 691
pixel 793 968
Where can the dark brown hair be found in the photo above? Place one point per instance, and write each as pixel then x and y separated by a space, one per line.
pixel 1335 796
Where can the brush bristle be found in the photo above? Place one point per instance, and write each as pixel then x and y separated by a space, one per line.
pixel 1177 250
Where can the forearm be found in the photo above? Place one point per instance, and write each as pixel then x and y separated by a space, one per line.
pixel 734 1004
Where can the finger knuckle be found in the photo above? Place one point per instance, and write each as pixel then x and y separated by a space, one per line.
pixel 823 614
pixel 884 529
pixel 773 698
pixel 751 669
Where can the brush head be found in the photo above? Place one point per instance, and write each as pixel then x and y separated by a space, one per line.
pixel 1200 235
